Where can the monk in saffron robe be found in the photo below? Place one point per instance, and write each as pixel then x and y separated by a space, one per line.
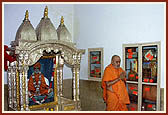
pixel 37 85
pixel 115 93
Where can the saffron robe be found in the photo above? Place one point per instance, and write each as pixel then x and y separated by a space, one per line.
pixel 43 86
pixel 116 100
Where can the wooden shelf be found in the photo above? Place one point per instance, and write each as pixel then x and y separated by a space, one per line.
pixel 145 83
pixel 135 82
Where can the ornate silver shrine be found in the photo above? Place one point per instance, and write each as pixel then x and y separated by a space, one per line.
pixel 29 46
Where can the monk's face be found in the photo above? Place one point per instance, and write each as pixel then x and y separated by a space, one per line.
pixel 36 70
pixel 116 62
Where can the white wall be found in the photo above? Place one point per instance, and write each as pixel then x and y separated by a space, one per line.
pixel 101 25
pixel 110 26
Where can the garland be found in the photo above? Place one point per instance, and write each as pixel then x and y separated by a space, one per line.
pixel 37 90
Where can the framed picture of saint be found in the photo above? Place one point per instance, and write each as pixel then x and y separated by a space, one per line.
pixel 41 81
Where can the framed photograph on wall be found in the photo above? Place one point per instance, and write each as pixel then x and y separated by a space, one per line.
pixel 95 64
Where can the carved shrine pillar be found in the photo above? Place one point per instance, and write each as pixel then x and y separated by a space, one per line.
pixel 56 83
pixel 61 65
pixel 23 72
pixel 75 78
pixel 10 85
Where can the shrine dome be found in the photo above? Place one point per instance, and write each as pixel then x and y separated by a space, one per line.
pixel 26 31
pixel 45 30
pixel 63 33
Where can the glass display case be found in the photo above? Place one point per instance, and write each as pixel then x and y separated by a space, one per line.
pixel 131 63
pixel 142 65
pixel 95 63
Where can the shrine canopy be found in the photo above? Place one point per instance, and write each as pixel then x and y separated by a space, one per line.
pixel 31 43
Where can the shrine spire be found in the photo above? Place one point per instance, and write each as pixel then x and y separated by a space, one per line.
pixel 26 15
pixel 62 20
pixel 46 12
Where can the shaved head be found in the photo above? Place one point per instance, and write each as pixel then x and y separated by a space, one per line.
pixel 115 61
pixel 114 56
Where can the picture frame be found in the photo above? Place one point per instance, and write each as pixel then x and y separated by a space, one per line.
pixel 95 64
pixel 49 99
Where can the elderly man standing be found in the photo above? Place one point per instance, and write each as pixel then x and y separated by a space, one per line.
pixel 115 93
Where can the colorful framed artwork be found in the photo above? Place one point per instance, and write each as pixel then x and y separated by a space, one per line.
pixel 95 63
pixel 41 83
